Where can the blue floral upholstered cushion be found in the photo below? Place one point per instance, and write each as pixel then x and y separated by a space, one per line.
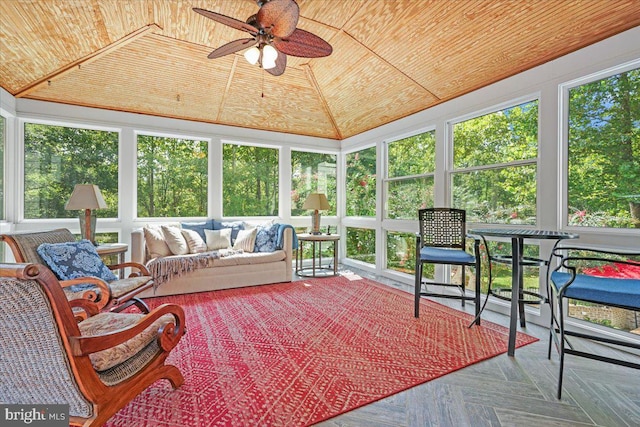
pixel 266 238
pixel 75 259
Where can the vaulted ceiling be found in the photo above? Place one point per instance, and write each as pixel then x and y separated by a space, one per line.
pixel 391 58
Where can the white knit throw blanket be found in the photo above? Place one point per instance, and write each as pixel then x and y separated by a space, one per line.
pixel 164 269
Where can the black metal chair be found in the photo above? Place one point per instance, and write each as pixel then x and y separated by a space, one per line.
pixel 442 240
pixel 593 276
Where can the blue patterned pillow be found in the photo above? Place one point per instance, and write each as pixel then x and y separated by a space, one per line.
pixel 75 259
pixel 266 238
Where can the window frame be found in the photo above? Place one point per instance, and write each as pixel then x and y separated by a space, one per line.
pixel 21 157
pixel 337 178
pixel 141 132
pixel 281 155
pixel 563 151
pixel 385 168
pixel 451 170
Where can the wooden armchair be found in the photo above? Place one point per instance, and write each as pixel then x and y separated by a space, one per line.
pixel 115 295
pixel 95 366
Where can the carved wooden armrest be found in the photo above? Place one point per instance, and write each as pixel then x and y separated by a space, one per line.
pixel 87 308
pixel 91 295
pixel 168 335
pixel 142 270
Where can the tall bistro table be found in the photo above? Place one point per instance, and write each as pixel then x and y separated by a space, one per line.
pixel 316 240
pixel 517 237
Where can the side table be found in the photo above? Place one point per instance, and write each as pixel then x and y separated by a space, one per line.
pixel 316 240
pixel 119 249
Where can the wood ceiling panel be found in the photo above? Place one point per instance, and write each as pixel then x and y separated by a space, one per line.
pixel 367 90
pixel 451 48
pixel 334 14
pixel 289 105
pixel 179 21
pixel 154 75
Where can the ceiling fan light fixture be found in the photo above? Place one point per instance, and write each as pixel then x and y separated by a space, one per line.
pixel 267 65
pixel 252 55
pixel 269 55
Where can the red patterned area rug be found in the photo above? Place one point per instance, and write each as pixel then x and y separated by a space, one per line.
pixel 294 354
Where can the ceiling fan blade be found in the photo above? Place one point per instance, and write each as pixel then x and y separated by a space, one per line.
pixel 231 47
pixel 281 65
pixel 227 20
pixel 304 44
pixel 279 17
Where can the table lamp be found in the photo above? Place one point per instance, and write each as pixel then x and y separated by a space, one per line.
pixel 86 197
pixel 316 202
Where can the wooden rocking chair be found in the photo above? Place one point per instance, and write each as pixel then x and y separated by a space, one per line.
pixel 95 366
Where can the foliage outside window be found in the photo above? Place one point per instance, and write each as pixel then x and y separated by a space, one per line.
pixel 172 177
pixel 58 157
pixel 361 244
pixel 604 152
pixel 312 173
pixel 401 253
pixel 361 183
pixel 410 179
pixel 494 162
pixel 250 180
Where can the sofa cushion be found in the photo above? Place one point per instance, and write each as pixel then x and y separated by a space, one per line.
pixel 156 244
pixel 235 227
pixel 248 258
pixel 175 240
pixel 218 239
pixel 194 241
pixel 246 240
pixel 198 227
pixel 71 260
pixel 266 238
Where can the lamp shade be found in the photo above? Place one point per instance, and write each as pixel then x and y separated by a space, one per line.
pixel 86 196
pixel 252 55
pixel 317 202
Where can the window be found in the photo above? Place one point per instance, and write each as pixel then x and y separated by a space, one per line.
pixel 409 184
pixel 250 180
pixel 361 183
pixel 401 253
pixel 312 173
pixel 604 152
pixel 361 244
pixel 494 166
pixel 58 157
pixel 172 177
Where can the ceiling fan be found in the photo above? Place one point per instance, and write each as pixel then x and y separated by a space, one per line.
pixel 274 36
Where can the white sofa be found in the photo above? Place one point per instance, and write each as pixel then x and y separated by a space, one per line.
pixel 235 271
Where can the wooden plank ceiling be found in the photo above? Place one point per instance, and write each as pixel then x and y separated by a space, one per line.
pixel 391 58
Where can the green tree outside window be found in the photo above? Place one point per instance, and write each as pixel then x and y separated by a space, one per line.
pixel 250 180
pixel 604 152
pixel 172 177
pixel 312 173
pixel 410 180
pixel 58 157
pixel 494 161
pixel 361 183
